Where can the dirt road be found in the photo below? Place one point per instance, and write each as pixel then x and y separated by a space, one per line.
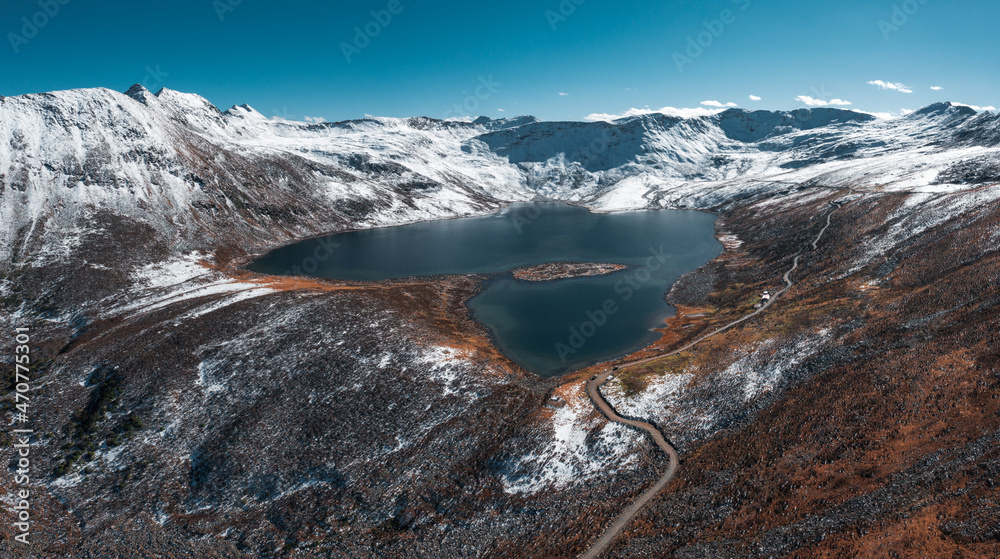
pixel 593 390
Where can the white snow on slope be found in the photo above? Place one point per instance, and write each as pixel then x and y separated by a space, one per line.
pixel 673 400
pixel 761 368
pixel 185 278
pixel 447 366
pixel 68 154
pixel 569 459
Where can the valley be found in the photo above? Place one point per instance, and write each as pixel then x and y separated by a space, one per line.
pixel 185 403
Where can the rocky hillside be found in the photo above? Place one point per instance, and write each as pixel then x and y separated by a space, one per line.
pixel 183 404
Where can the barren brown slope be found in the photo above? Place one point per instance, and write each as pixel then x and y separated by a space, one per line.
pixel 594 386
pixel 883 444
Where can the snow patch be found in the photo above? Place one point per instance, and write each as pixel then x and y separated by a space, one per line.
pixel 568 459
pixel 447 366
pixel 202 380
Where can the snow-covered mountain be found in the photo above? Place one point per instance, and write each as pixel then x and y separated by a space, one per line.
pixel 281 413
pixel 203 178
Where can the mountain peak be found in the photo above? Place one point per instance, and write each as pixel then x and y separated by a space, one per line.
pixel 751 126
pixel 945 107
pixel 501 123
pixel 136 89
pixel 244 110
pixel 186 101
pixel 140 93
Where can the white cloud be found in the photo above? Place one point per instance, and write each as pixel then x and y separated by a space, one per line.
pixel 501 110
pixel 976 107
pixel 561 94
pixel 315 119
pixel 718 104
pixel 936 87
pixel 669 111
pixel 813 102
pixel 891 86
pixel 754 98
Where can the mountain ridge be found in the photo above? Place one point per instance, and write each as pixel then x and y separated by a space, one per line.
pixel 178 152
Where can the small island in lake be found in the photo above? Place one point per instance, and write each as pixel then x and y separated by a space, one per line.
pixel 565 270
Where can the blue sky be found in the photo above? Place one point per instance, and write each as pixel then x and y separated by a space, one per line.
pixel 556 59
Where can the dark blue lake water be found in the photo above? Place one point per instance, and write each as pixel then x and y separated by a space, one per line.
pixel 549 328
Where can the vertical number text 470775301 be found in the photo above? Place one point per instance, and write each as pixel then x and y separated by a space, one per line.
pixel 22 435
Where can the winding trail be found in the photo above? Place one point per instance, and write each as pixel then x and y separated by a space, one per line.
pixel 593 390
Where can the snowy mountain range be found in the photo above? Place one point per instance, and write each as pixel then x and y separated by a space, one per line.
pixel 202 178
pixel 283 413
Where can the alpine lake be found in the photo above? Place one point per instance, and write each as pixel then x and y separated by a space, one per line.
pixel 552 326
